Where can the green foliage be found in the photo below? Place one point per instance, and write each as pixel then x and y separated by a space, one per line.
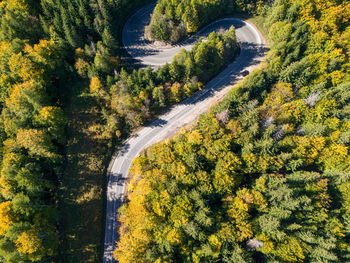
pixel 269 164
pixel 15 16
pixel 172 21
pixel 80 22
pixel 32 128
pixel 130 99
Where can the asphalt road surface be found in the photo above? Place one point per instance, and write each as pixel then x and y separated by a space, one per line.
pixel 252 52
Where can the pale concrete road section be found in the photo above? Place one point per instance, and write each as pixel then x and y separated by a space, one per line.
pixel 252 52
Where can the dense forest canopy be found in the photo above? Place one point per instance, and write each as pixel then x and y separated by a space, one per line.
pixel 37 43
pixel 265 175
pixel 72 43
pixel 268 165
pixel 32 126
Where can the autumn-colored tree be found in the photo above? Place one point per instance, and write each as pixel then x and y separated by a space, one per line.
pixel 28 243
pixel 269 181
pixel 37 142
pixel 31 132
pixel 5 215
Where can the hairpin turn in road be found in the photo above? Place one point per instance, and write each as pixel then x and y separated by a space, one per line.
pixel 252 51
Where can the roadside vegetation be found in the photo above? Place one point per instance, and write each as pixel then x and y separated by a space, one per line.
pixel 265 175
pixel 173 21
pixel 128 100
pixel 51 190
pixel 66 98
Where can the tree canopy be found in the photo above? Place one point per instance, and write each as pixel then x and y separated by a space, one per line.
pixel 173 20
pixel 264 176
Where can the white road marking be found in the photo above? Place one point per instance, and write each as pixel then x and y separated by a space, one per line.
pixel 178 116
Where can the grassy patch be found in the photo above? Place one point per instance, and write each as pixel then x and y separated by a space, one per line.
pixel 258 21
pixel 81 195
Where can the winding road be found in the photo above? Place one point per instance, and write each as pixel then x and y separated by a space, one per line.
pixel 252 52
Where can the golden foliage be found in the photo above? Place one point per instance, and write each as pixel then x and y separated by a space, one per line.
pixel 6 220
pixel 28 242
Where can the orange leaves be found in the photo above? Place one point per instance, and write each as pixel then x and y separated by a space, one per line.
pixel 130 248
pixel 320 150
pixel 11 159
pixel 292 112
pixel 18 101
pixel 138 166
pixel 174 236
pixel 326 20
pixel 33 61
pixel 135 222
pixel 81 65
pixel 43 52
pixel 161 205
pixel 30 133
pixel 23 66
pixel 166 155
pixel 325 15
pixel 235 127
pixel 52 118
pixel 252 197
pixel 51 115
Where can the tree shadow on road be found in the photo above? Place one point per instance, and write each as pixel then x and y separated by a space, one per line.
pixel 250 55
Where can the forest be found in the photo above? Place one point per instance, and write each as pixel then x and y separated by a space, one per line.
pixel 265 175
pixel 173 21
pixel 72 43
pixel 32 125
pixel 267 168
pixel 36 71
pixel 128 100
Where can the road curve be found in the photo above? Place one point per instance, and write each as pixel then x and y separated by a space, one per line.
pixel 252 52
